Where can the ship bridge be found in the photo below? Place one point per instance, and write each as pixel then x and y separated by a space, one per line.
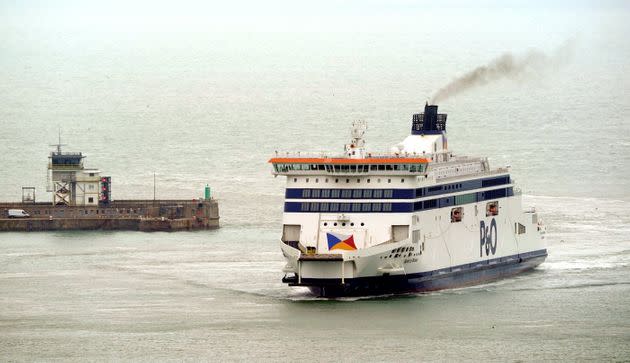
pixel 381 164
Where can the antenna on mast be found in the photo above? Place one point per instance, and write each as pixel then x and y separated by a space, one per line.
pixel 59 144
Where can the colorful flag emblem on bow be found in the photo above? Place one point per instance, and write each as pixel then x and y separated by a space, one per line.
pixel 340 242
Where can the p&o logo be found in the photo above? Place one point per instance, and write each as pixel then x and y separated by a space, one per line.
pixel 487 238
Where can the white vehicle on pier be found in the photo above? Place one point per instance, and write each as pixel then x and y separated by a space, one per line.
pixel 416 219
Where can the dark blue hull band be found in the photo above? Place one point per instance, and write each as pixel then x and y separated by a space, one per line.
pixel 447 278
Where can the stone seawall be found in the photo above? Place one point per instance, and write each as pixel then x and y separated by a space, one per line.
pixel 139 215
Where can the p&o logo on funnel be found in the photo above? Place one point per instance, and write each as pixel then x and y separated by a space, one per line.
pixel 340 242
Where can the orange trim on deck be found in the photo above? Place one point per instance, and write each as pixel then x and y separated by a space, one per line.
pixel 349 161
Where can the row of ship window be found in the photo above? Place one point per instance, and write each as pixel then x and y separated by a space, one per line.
pixel 312 193
pixel 389 180
pixel 348 193
pixel 397 207
pixel 330 168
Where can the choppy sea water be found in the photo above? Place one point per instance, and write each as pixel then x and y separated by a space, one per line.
pixel 195 105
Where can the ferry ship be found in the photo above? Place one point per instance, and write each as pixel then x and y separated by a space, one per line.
pixel 418 218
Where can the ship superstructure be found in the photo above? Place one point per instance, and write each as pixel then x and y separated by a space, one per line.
pixel 417 218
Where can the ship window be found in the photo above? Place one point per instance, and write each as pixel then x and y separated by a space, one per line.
pixel 335 193
pixel 307 180
pixel 388 167
pixel 315 193
pixel 306 193
pixel 430 204
pixel 335 224
pixel 337 168
pixel 457 214
pixel 325 193
pixel 334 207
pixel 358 180
pixel 345 207
pixel 402 180
pixel 368 180
pixel 492 208
pixel 388 193
pixel 387 207
pixel 304 207
pixel 367 193
pixel 90 200
pixel 519 228
pixel 325 224
pixel 295 180
pixel 347 180
pixel 466 198
pixel 351 224
pixel 362 224
pixel 321 167
pixel 379 180
pixel 346 193
pixel 314 207
pixel 336 180
pixel 326 180
pixel 323 207
pixel 373 167
pixel 378 193
pixel 357 193
pixel 316 180
pixel 389 180
pixel 381 167
pixel 356 207
pixel 366 207
pixel 376 207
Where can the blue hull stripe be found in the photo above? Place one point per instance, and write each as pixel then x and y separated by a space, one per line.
pixel 378 193
pixel 446 278
pixel 358 207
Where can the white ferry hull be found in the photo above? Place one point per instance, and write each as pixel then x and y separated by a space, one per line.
pixel 442 255
pixel 446 278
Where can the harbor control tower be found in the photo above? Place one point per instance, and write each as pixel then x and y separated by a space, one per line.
pixel 71 183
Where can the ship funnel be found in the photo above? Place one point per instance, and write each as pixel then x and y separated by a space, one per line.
pixel 428 123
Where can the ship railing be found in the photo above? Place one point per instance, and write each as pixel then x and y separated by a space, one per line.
pixel 329 155
pixel 66 153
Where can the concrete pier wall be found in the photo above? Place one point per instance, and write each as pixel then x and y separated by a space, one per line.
pixel 140 215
